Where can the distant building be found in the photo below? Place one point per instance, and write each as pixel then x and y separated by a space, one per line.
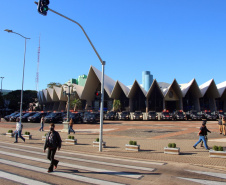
pixel 147 80
pixel 80 81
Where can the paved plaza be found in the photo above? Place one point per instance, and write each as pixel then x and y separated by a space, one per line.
pixel 152 136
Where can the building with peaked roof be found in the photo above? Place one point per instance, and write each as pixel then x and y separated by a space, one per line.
pixel 187 96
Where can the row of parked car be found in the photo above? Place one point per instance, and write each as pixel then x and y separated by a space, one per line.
pixel 54 117
pixel 164 115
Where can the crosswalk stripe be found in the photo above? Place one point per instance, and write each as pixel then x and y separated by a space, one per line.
pixel 205 182
pixel 101 156
pixel 123 174
pixel 86 160
pixel 219 175
pixel 20 179
pixel 60 174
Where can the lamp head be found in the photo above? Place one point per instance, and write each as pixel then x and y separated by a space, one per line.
pixel 9 31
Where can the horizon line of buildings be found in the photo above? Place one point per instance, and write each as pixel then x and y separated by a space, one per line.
pixel 189 96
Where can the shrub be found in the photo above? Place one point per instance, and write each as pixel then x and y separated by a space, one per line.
pixel 132 142
pixel 97 139
pixel 72 137
pixel 27 133
pixel 45 134
pixel 220 148
pixel 69 137
pixel 174 145
pixel 170 145
pixel 215 148
pixel 10 131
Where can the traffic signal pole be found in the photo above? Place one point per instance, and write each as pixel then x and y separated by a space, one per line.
pixel 102 79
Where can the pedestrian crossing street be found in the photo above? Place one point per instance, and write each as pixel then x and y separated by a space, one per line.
pixel 23 164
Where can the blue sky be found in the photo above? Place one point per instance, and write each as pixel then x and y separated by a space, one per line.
pixel 182 39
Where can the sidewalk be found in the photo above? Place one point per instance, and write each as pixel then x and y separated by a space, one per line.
pixel 156 136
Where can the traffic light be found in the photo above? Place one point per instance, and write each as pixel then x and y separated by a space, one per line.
pixel 43 6
pixel 98 94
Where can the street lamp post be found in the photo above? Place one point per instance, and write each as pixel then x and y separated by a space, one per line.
pixel 68 100
pixel 1 83
pixel 21 101
pixel 102 80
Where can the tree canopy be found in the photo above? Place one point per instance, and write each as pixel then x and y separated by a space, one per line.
pixel 51 84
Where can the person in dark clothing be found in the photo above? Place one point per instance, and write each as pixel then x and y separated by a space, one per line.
pixel 220 124
pixel 202 133
pixel 53 141
pixel 205 134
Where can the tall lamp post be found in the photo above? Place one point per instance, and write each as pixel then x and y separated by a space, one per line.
pixel 102 80
pixel 21 100
pixel 1 83
pixel 68 100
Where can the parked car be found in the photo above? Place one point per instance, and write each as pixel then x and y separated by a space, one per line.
pixel 36 118
pixel 165 115
pixel 152 115
pixel 54 117
pixel 179 115
pixel 137 115
pixel 91 117
pixel 209 115
pixel 24 118
pixel 124 115
pixel 194 115
pixel 15 117
pixel 76 117
pixel 7 118
pixel 111 115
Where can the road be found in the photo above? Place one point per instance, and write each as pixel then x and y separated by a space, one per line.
pixel 26 164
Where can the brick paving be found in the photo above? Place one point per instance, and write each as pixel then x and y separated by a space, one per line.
pixel 152 136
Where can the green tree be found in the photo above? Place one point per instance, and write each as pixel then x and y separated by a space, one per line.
pixel 76 103
pixel 14 98
pixel 51 84
pixel 116 105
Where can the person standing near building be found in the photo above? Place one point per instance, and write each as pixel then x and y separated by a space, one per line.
pixel 70 126
pixel 201 134
pixel 42 124
pixel 18 132
pixel 220 124
pixel 53 141
pixel 224 125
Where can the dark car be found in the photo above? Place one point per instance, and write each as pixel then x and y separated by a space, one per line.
pixel 152 115
pixel 165 115
pixel 76 117
pixel 124 115
pixel 36 118
pixel 137 115
pixel 209 115
pixel 54 117
pixel 91 117
pixel 15 117
pixel 194 115
pixel 111 115
pixel 179 115
pixel 7 118
pixel 24 118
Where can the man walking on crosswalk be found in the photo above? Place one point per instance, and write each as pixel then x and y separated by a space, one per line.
pixel 53 141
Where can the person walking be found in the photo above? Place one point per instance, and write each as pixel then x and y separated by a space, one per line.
pixel 201 135
pixel 70 126
pixel 53 142
pixel 18 132
pixel 224 125
pixel 220 124
pixel 42 124
pixel 205 134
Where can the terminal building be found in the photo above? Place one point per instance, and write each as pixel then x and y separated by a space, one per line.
pixel 150 96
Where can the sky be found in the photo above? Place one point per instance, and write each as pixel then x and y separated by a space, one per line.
pixel 173 39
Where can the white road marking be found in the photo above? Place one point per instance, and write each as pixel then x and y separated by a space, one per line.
pixel 100 156
pixel 218 140
pixel 20 179
pixel 87 160
pixel 219 175
pixel 124 174
pixel 205 182
pixel 60 174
